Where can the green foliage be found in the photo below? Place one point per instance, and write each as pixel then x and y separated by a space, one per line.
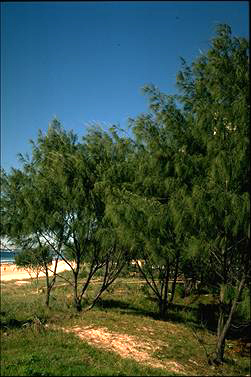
pixel 54 201
pixel 181 290
pixel 244 308
pixel 36 257
pixel 229 293
pixel 175 194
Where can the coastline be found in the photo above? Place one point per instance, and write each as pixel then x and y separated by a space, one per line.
pixel 9 271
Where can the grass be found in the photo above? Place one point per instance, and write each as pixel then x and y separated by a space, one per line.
pixel 54 353
pixel 48 351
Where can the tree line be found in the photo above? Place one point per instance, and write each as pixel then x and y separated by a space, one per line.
pixel 174 194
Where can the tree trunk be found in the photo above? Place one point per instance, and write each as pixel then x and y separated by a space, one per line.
pixel 220 338
pixel 107 281
pixel 76 299
pixel 37 274
pixel 47 298
pixel 223 328
pixel 49 284
pixel 164 302
pixel 175 278
pixel 161 308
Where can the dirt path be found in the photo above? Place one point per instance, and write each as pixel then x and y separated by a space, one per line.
pixel 126 346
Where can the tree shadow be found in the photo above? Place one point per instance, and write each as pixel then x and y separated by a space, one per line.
pixel 125 307
pixel 205 316
pixel 13 323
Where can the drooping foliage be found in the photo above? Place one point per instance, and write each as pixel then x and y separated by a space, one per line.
pixel 174 194
pixel 191 177
pixel 215 94
pixel 60 208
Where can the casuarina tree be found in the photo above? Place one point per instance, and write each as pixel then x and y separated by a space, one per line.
pixel 215 96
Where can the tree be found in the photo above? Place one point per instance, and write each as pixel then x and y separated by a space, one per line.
pixel 108 155
pixel 59 208
pixel 215 96
pixel 22 224
pixel 192 174
pixel 162 135
pixel 37 260
pixel 138 205
pixel 26 260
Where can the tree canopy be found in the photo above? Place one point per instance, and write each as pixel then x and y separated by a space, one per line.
pixel 174 194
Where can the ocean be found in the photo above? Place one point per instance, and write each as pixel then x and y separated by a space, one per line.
pixel 7 256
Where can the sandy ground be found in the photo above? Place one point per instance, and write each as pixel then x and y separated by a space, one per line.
pixel 126 346
pixel 11 272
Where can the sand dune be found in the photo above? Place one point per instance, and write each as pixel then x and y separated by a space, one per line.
pixel 11 272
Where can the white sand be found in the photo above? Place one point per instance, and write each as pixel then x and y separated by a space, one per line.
pixel 11 272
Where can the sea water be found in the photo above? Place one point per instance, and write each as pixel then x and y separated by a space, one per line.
pixel 7 256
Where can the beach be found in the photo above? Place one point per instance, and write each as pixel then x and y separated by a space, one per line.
pixel 9 271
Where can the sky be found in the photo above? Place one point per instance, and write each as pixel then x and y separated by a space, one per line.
pixel 86 62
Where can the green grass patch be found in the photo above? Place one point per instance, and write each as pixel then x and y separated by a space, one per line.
pixel 54 353
pixel 28 350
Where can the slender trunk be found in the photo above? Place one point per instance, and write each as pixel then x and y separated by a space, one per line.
pixel 87 282
pixel 106 283
pixel 49 284
pixel 175 277
pixel 47 298
pixel 201 283
pixel 37 273
pixel 223 328
pixel 152 284
pixel 164 301
pixel 76 299
pixel 220 339
pixel 161 307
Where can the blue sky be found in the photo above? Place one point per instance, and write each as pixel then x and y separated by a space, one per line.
pixel 86 62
